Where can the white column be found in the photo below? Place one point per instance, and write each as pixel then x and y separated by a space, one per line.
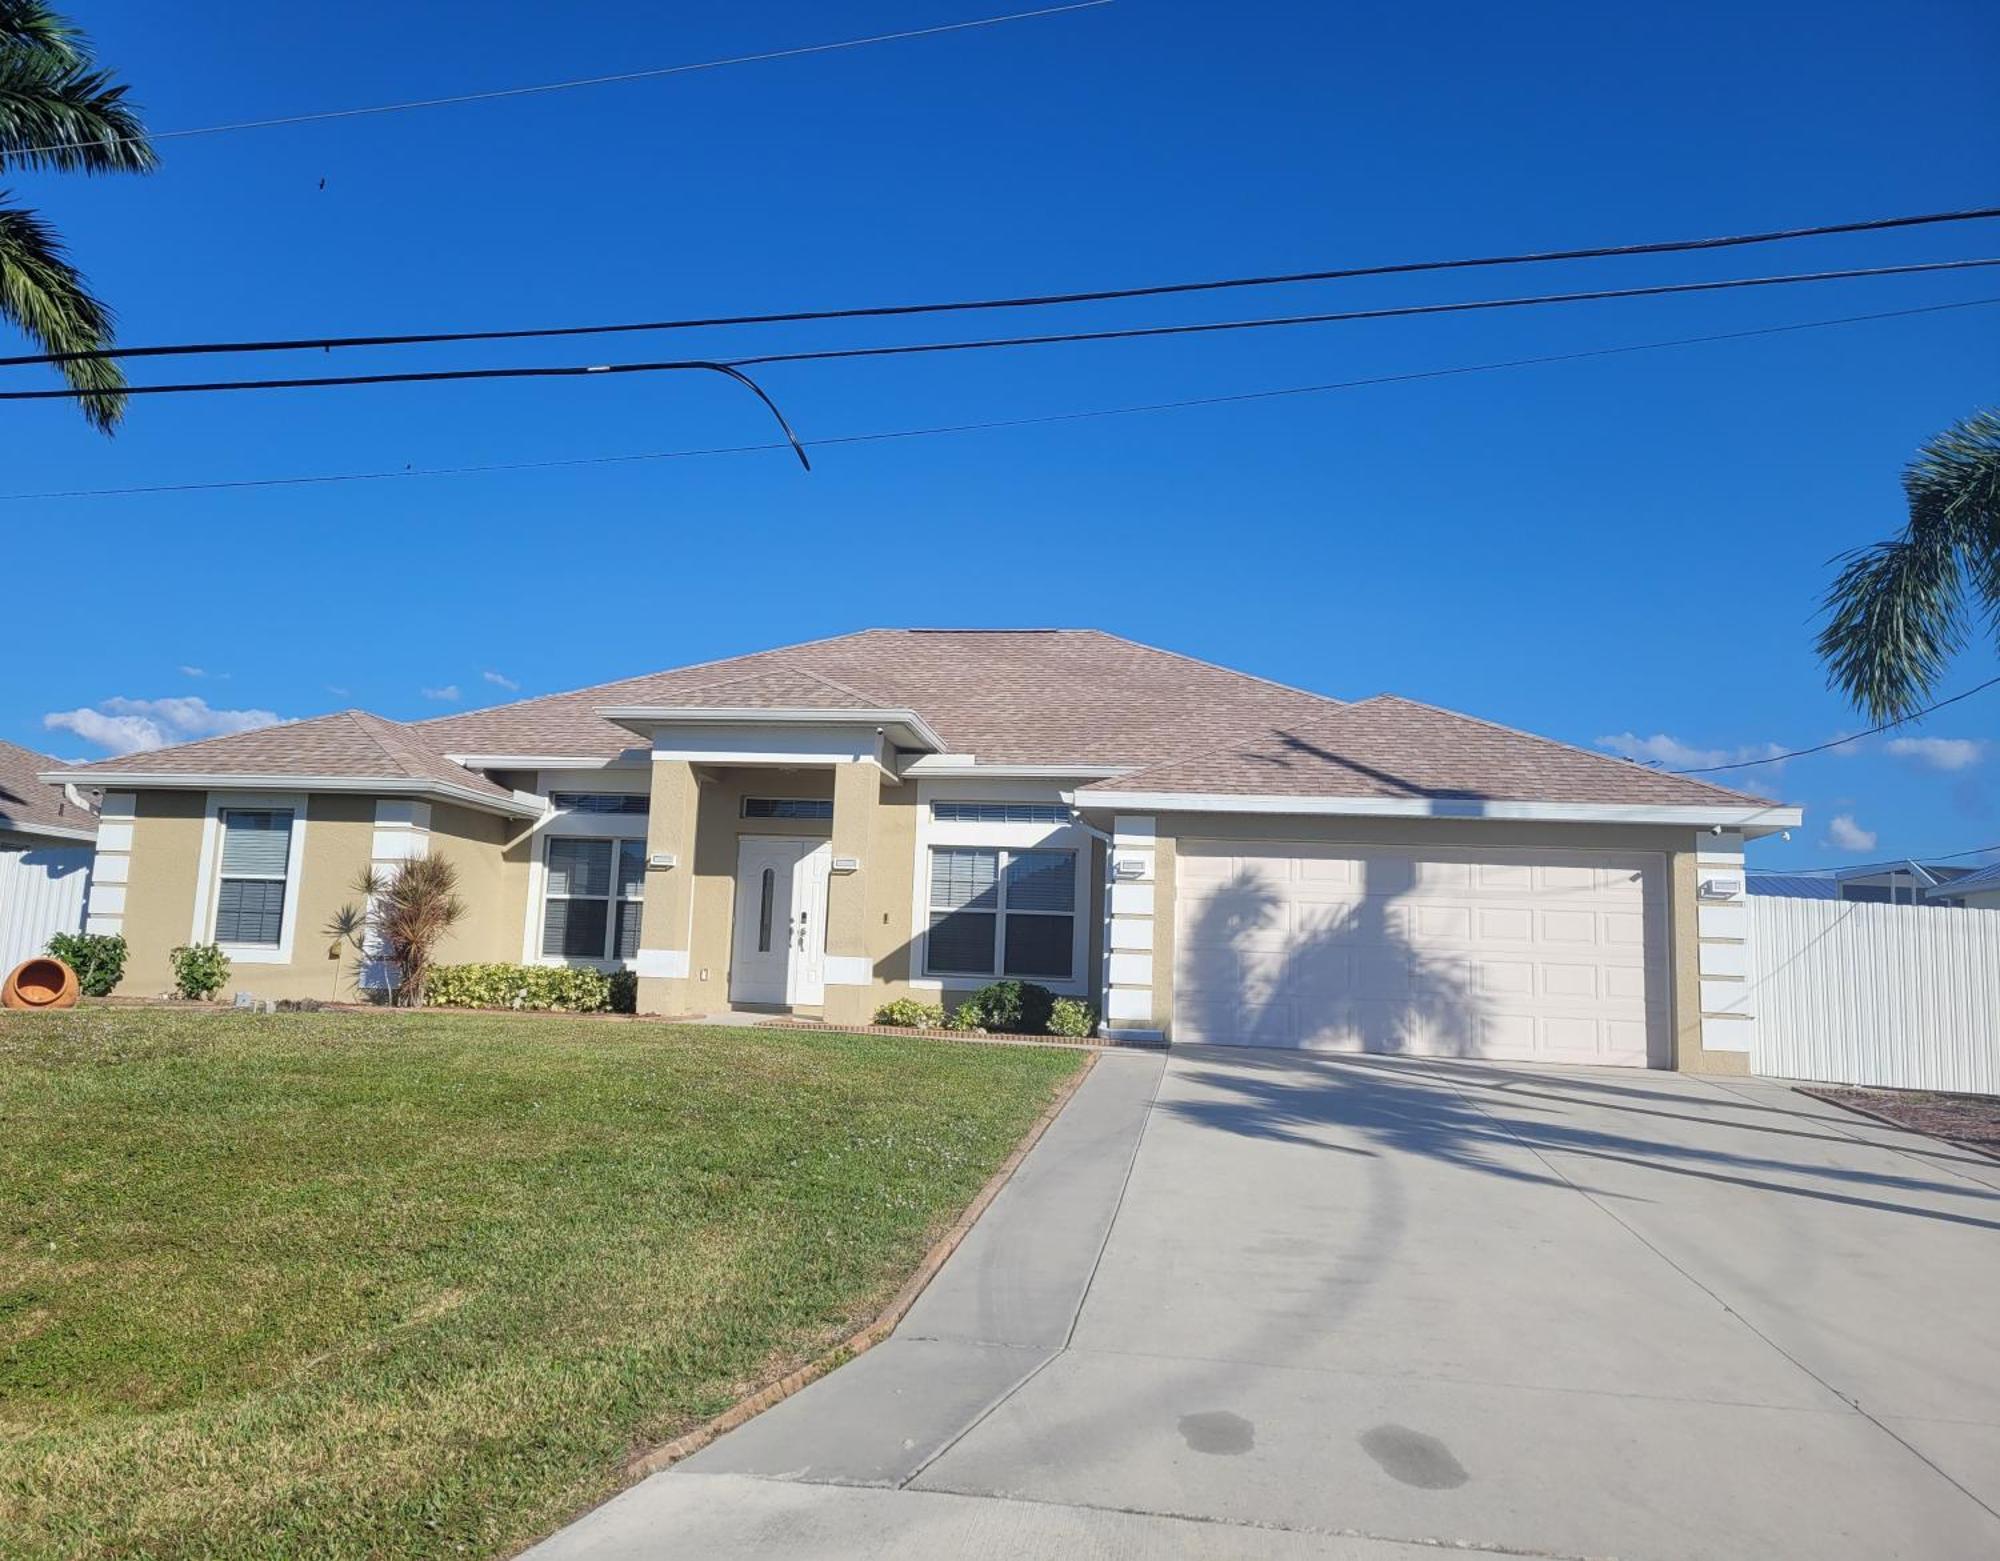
pixel 1129 916
pixel 1728 1015
pixel 111 867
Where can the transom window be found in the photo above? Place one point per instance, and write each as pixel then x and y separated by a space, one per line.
pixel 256 851
pixel 1000 813
pixel 594 899
pixel 1004 912
pixel 788 807
pixel 600 802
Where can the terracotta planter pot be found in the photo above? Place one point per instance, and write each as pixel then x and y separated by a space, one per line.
pixel 41 982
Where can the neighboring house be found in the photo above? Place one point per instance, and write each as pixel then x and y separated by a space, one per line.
pixel 1205 855
pixel 45 851
pixel 1904 882
pixel 1976 888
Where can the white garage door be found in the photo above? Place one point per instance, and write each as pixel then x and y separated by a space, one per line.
pixel 1541 956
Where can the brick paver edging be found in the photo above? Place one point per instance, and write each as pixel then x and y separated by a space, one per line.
pixel 873 1333
pixel 966 1037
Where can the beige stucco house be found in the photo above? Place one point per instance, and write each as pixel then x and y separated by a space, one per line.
pixel 1204 855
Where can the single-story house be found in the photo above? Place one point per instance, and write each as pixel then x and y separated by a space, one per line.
pixel 1902 882
pixel 1204 855
pixel 46 840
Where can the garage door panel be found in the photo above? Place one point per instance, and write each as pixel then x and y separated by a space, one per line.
pixel 1558 956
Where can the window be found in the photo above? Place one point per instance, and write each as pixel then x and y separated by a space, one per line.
pixel 594 900
pixel 1000 813
pixel 1011 912
pixel 256 849
pixel 600 802
pixel 788 807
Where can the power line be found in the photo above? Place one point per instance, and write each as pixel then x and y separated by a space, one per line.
pixel 576 370
pixel 1840 742
pixel 1024 301
pixel 1908 856
pixel 583 81
pixel 992 424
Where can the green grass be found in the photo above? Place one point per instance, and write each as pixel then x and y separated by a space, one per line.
pixel 417 1285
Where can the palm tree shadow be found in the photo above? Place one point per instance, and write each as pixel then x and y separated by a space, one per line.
pixel 1340 976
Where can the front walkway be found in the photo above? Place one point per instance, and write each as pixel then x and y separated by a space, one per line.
pixel 1359 1308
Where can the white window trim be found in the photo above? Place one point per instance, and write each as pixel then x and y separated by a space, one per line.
pixel 588 826
pixel 539 898
pixel 1008 837
pixel 208 881
pixel 1003 914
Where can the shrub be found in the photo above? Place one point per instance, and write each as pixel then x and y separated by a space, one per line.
pixel 624 992
pixel 98 958
pixel 200 970
pixel 1017 1006
pixel 1071 1016
pixel 908 1011
pixel 404 915
pixel 568 989
pixel 966 1017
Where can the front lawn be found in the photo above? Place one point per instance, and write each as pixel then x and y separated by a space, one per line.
pixel 413 1285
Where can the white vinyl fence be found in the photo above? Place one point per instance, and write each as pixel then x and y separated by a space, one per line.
pixel 1857 993
pixel 42 891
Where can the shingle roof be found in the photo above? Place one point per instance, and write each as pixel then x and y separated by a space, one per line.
pixel 29 806
pixel 1387 747
pixel 350 744
pixel 1049 696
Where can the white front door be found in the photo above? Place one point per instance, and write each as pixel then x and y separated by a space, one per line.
pixel 779 953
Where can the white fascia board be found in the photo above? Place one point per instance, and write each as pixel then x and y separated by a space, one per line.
pixel 516 804
pixel 632 758
pixel 963 766
pixel 1753 820
pixel 638 718
pixel 14 826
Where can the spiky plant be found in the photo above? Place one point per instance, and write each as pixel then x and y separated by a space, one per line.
pixel 59 111
pixel 405 915
pixel 1900 610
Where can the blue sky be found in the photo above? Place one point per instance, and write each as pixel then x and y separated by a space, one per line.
pixel 1628 547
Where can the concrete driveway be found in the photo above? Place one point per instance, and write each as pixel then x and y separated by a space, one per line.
pixel 1263 1304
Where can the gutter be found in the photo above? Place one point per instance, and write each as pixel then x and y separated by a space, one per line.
pixel 515 804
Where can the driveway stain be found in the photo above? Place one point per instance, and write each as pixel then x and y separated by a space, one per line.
pixel 1219 1432
pixel 1413 1458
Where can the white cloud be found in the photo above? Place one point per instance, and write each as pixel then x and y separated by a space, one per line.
pixel 123 725
pixel 193 672
pixel 448 692
pixel 1938 753
pixel 1846 835
pixel 1673 754
pixel 336 690
pixel 500 680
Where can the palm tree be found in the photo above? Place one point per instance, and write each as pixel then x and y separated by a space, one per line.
pixel 404 916
pixel 58 110
pixel 1901 609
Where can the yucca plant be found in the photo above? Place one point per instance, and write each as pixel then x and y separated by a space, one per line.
pixel 405 914
pixel 59 111
pixel 1901 610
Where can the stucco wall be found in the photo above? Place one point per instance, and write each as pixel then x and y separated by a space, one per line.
pixel 167 904
pixel 1676 845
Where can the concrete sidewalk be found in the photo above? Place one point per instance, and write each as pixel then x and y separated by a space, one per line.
pixel 1301 1306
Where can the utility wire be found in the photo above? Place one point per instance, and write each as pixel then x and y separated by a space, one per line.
pixel 1840 742
pixel 1908 856
pixel 574 370
pixel 582 81
pixel 992 424
pixel 1024 301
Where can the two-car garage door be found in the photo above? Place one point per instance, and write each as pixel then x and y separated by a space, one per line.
pixel 1544 956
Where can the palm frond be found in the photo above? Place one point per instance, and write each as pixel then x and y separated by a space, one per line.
pixel 1897 613
pixel 47 297
pixel 34 24
pixel 61 113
